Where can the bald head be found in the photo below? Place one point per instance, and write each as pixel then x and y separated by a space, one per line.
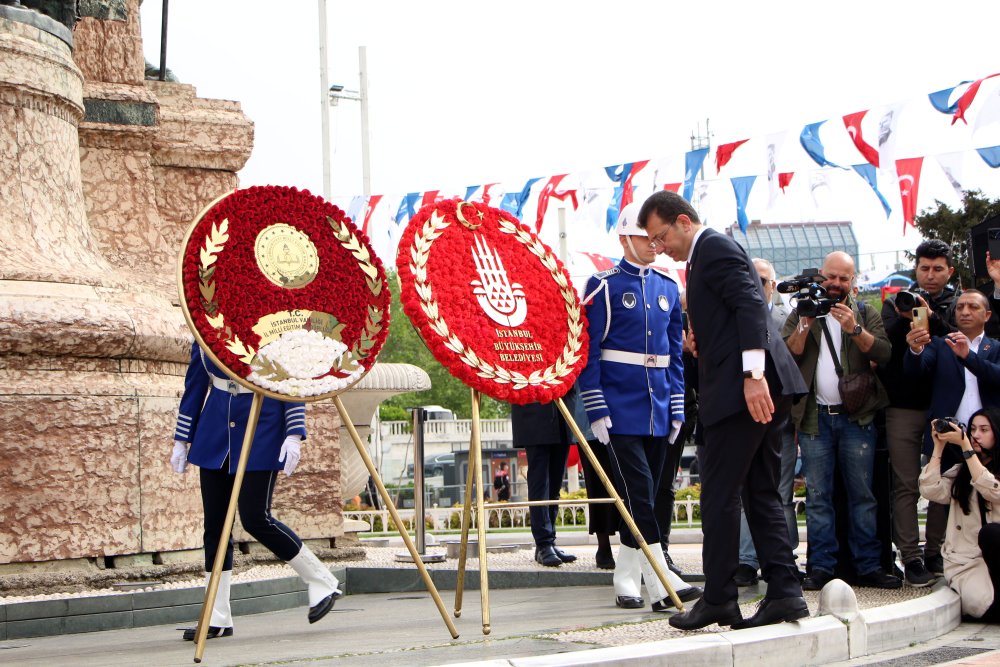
pixel 838 268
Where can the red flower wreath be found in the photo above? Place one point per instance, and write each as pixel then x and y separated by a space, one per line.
pixel 284 292
pixel 493 303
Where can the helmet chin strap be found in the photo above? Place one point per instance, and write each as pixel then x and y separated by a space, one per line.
pixel 635 255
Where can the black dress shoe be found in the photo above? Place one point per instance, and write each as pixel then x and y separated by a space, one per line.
pixel 213 632
pixel 816 580
pixel 605 561
pixel 685 594
pixel 547 556
pixel 879 579
pixel 563 556
pixel 323 607
pixel 629 602
pixel 670 563
pixel 703 614
pixel 775 611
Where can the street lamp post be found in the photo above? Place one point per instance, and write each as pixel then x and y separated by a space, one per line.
pixel 336 93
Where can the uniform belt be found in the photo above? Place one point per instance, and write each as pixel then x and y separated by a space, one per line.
pixel 231 386
pixel 636 358
pixel 837 409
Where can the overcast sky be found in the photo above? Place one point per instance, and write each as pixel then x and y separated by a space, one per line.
pixel 465 93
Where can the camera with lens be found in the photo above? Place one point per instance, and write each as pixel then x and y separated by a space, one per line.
pixel 947 425
pixel 907 299
pixel 809 296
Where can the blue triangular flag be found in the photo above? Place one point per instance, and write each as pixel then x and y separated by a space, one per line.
pixel 813 146
pixel 741 187
pixel 867 172
pixel 692 164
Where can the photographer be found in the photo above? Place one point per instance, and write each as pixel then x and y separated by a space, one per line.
pixel 972 544
pixel 905 418
pixel 844 342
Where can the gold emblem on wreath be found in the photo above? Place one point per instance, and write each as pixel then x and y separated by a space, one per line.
pixel 551 375
pixel 286 256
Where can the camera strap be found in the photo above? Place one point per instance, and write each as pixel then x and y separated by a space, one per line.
pixel 833 350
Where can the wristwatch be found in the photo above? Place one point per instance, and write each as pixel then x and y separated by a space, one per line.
pixel 755 374
pixel 968 453
pixel 856 331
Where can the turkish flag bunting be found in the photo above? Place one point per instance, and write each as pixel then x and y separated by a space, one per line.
pixel 430 197
pixel 372 203
pixel 852 122
pixel 908 172
pixel 965 101
pixel 784 178
pixel 673 187
pixel 550 191
pixel 724 153
pixel 627 187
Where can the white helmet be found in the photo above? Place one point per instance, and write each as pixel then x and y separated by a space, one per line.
pixel 628 221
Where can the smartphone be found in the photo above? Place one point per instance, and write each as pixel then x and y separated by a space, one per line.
pixel 920 320
pixel 993 237
pixel 684 319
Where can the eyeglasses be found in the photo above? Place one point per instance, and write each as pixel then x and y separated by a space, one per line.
pixel 659 238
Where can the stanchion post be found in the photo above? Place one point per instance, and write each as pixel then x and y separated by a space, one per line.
pixel 476 453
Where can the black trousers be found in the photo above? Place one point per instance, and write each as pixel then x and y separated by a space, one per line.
pixel 741 461
pixel 637 464
pixel 989 544
pixel 665 492
pixel 604 517
pixel 255 514
pixel 546 467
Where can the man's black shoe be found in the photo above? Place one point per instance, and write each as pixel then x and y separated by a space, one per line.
pixel 917 575
pixel 605 561
pixel 935 564
pixel 670 563
pixel 563 556
pixel 816 580
pixel 879 579
pixel 629 602
pixel 703 614
pixel 746 575
pixel 547 556
pixel 775 611
pixel 213 632
pixel 685 594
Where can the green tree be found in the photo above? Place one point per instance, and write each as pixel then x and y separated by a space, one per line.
pixel 405 346
pixel 953 227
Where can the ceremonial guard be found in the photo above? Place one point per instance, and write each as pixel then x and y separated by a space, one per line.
pixel 209 434
pixel 633 392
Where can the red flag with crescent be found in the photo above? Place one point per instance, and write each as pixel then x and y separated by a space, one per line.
pixel 550 191
pixel 724 153
pixel 627 186
pixel 908 171
pixel 852 122
pixel 369 209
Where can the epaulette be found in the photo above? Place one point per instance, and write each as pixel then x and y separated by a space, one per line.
pixel 607 274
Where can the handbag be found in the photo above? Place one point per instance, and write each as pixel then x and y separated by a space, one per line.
pixel 855 388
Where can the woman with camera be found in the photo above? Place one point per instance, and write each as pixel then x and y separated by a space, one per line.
pixel 972 543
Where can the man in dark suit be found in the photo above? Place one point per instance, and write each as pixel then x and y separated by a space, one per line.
pixel 747 380
pixel 964 365
pixel 541 431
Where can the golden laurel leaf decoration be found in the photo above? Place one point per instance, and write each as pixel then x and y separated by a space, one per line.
pixel 373 321
pixel 551 375
pixel 215 242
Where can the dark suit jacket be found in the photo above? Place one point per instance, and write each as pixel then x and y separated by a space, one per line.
pixel 541 423
pixel 726 305
pixel 946 373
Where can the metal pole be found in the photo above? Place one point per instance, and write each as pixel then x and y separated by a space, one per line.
pixel 163 41
pixel 324 84
pixel 418 478
pixel 366 162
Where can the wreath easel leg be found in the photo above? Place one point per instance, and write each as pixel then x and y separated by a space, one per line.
pixel 345 418
pixel 212 589
pixel 661 575
pixel 477 453
pixel 464 544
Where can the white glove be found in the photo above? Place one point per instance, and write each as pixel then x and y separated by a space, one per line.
pixel 179 459
pixel 600 429
pixel 291 453
pixel 675 428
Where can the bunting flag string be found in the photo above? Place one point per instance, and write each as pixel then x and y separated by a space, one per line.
pixel 852 122
pixel 813 146
pixel 550 191
pixel 939 99
pixel 407 207
pixel 867 172
pixel 692 165
pixel 785 179
pixel 909 181
pixel 513 202
pixel 741 187
pixel 965 101
pixel 991 156
pixel 372 203
pixel 724 153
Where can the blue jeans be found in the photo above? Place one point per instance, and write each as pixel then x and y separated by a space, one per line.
pixel 841 444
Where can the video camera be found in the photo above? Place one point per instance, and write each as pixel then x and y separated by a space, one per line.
pixel 906 300
pixel 810 298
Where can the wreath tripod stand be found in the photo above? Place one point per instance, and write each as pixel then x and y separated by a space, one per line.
pixel 475 483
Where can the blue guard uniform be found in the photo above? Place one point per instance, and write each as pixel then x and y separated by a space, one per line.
pixel 635 376
pixel 634 373
pixel 216 430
